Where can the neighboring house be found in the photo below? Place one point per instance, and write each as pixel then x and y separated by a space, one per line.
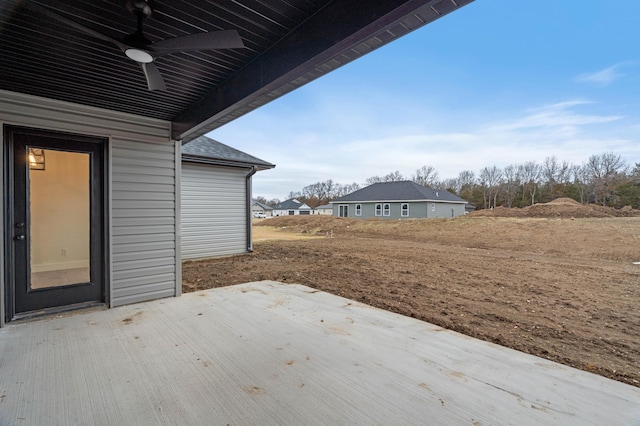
pixel 91 140
pixel 326 209
pixel 291 207
pixel 216 199
pixel 399 200
pixel 258 207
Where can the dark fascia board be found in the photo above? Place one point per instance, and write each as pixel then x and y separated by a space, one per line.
pixel 227 163
pixel 336 35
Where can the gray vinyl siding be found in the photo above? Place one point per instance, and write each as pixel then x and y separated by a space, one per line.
pixel 143 221
pixel 214 209
pixel 417 210
pixel 446 210
pixel 142 191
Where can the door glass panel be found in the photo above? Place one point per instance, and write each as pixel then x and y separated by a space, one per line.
pixel 59 217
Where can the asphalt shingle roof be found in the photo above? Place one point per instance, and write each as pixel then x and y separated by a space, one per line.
pixel 262 206
pixel 291 204
pixel 399 191
pixel 207 148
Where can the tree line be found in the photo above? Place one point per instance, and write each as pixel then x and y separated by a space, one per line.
pixel 605 179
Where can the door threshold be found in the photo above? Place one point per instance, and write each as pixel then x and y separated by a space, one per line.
pixel 47 312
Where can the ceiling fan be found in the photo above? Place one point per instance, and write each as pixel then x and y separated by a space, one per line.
pixel 138 48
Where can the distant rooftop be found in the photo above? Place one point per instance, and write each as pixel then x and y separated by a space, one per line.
pixel 399 191
pixel 261 205
pixel 291 204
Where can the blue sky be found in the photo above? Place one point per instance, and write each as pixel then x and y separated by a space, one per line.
pixel 497 82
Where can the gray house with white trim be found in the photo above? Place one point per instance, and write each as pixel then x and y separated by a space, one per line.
pixel 93 126
pixel 216 199
pixel 291 207
pixel 399 200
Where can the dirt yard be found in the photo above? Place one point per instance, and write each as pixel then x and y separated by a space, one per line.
pixel 559 280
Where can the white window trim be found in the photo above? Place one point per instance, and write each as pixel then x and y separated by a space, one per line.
pixel 378 211
pixel 433 207
pixel 358 210
pixel 404 210
pixel 386 209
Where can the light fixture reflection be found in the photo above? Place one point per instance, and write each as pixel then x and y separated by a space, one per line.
pixel 36 158
pixel 139 55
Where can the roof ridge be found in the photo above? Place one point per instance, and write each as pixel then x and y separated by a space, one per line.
pixel 399 191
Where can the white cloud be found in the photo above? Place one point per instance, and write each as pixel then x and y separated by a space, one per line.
pixel 558 116
pixel 603 77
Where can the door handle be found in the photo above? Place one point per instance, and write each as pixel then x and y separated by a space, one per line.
pixel 19 237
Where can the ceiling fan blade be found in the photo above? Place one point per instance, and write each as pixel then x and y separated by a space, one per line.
pixel 53 15
pixel 227 39
pixel 154 78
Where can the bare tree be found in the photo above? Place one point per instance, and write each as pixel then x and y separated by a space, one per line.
pixel 393 177
pixel 549 170
pixel 348 189
pixel 311 191
pixel 426 176
pixel 450 184
pixel 466 182
pixel 260 199
pixel 530 174
pixel 466 179
pixel 321 192
pixel 581 181
pixel 296 194
pixel 564 172
pixel 607 171
pixel 373 179
pixel 328 190
pixel 511 183
pixel 490 179
pixel 556 177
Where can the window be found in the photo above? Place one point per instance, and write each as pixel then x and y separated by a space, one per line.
pixel 358 209
pixel 378 209
pixel 433 207
pixel 387 209
pixel 343 211
pixel 404 210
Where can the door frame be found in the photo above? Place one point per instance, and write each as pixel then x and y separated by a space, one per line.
pixel 8 228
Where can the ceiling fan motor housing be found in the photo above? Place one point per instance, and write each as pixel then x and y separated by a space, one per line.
pixel 139 6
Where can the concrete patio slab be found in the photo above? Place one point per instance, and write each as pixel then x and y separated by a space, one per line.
pixel 273 354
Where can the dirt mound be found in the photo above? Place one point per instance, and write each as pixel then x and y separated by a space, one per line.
pixel 313 224
pixel 559 208
pixel 564 202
